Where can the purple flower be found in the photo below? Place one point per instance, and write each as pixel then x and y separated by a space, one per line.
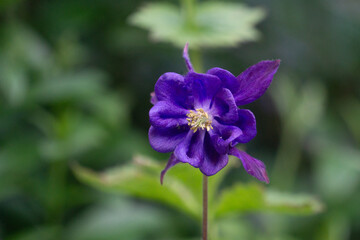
pixel 197 119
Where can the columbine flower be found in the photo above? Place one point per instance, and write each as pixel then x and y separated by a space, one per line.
pixel 196 116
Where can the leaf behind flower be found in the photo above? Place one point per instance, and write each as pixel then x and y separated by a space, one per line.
pixel 246 198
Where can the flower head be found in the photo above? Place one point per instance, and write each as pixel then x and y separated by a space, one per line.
pixel 196 116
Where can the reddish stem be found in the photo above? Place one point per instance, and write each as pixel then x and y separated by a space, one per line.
pixel 205 207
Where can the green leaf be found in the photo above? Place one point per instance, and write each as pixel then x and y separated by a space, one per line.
pixel 242 198
pixel 115 219
pixel 142 179
pixel 75 86
pixel 350 111
pixel 13 83
pixel 337 168
pixel 215 24
pixel 7 4
pixel 298 204
pixel 300 104
pixel 88 135
pixel 182 188
pixel 111 109
pixel 40 232
pixel 233 228
pixel 20 45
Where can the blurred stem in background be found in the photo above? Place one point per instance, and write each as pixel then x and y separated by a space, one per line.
pixel 287 159
pixel 196 59
pixel 57 194
pixel 189 13
pixel 301 106
pixel 56 191
pixel 188 10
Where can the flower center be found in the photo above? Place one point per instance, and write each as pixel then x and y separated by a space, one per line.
pixel 199 119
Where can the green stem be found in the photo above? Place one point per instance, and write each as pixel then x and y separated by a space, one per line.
pixel 196 59
pixel 189 13
pixel 287 160
pixel 188 8
pixel 205 207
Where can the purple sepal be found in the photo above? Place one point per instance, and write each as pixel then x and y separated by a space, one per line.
pixel 172 162
pixel 253 166
pixel 254 81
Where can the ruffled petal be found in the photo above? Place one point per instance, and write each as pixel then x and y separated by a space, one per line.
pixel 204 86
pixel 172 162
pixel 213 161
pixel 253 166
pixel 247 123
pixel 228 80
pixel 171 87
pixel 223 135
pixel 224 107
pixel 191 150
pixel 254 81
pixel 167 115
pixel 166 140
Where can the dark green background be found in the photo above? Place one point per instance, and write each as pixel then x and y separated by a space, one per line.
pixel 75 80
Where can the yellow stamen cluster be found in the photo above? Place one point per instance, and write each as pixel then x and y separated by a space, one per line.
pixel 199 119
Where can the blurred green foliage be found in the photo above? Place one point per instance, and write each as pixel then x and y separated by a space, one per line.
pixel 182 190
pixel 75 78
pixel 208 24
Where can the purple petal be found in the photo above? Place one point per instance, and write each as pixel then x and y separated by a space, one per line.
pixel 166 140
pixel 172 162
pixel 167 115
pixel 191 150
pixel 223 135
pixel 247 123
pixel 153 98
pixel 213 161
pixel 253 166
pixel 187 58
pixel 224 107
pixel 171 87
pixel 204 86
pixel 228 80
pixel 254 81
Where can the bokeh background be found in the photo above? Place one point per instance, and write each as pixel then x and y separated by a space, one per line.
pixel 75 79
